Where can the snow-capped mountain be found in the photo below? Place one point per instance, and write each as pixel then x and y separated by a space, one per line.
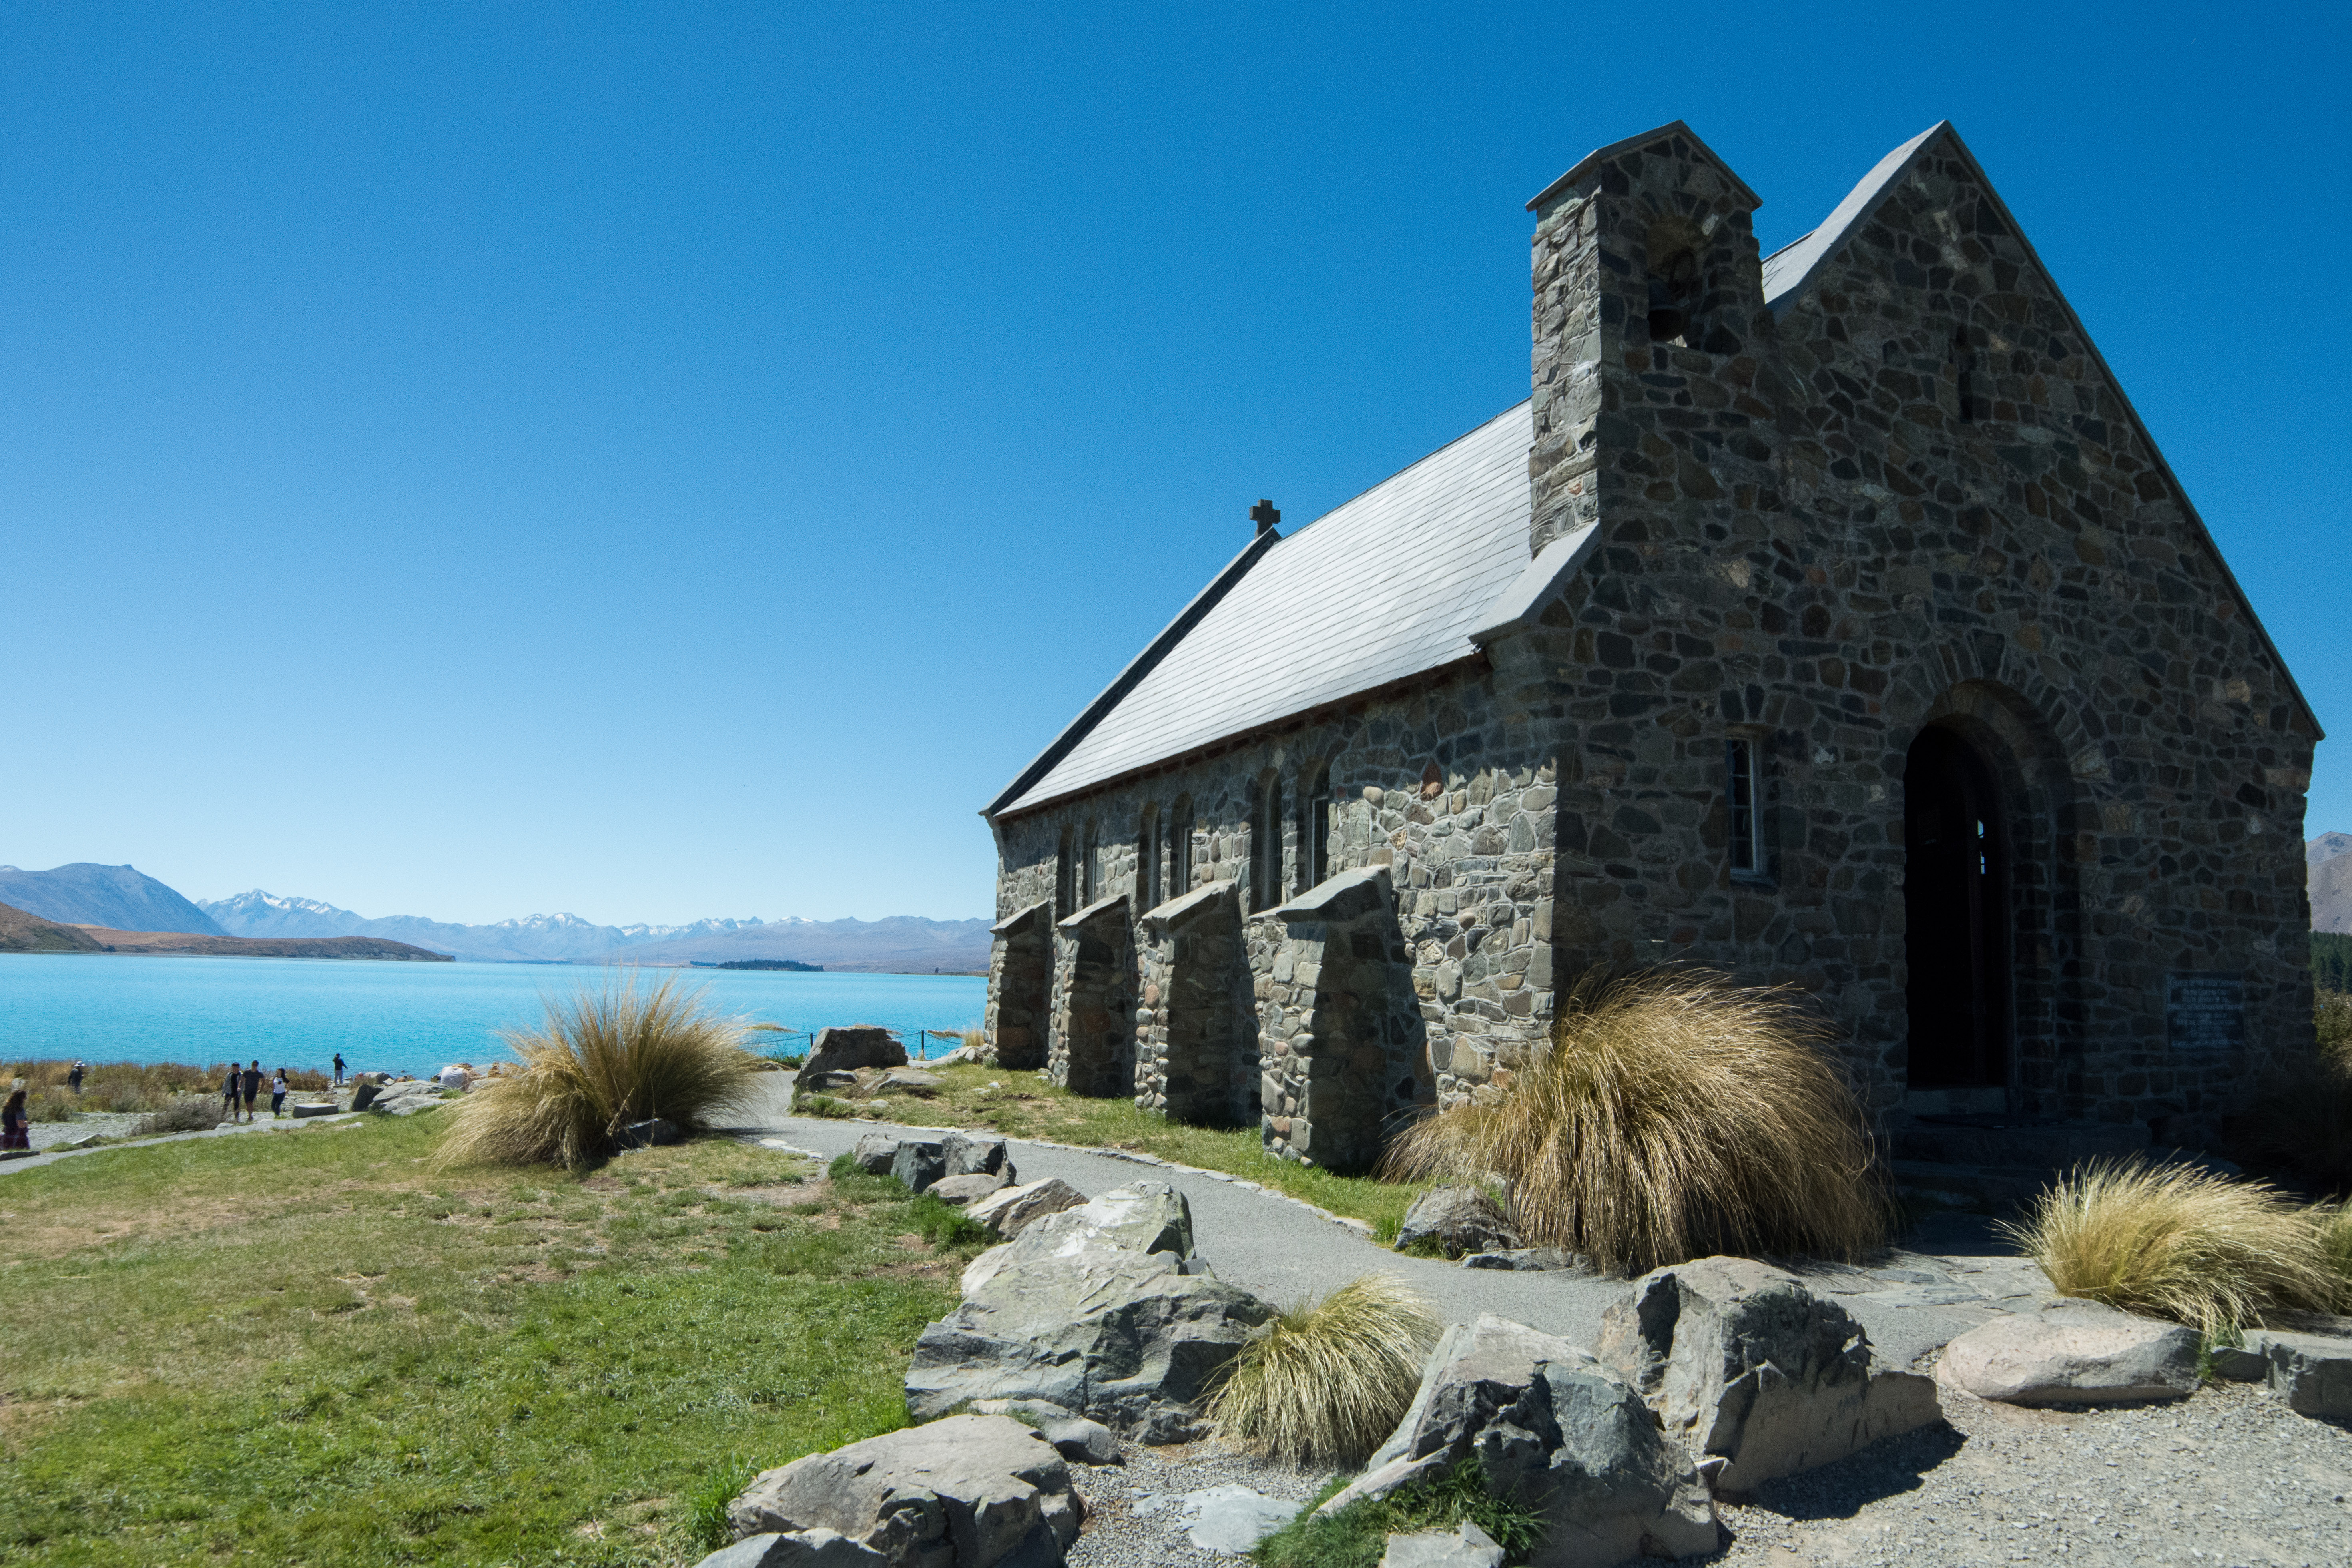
pixel 902 943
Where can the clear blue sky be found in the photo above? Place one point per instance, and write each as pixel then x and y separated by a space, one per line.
pixel 668 461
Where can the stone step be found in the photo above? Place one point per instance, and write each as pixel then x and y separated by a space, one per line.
pixel 2013 1141
pixel 1997 1189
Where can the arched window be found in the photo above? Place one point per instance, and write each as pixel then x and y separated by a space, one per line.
pixel 1677 281
pixel 1147 859
pixel 1180 847
pixel 1089 871
pixel 1315 827
pixel 1266 843
pixel 1964 374
pixel 1063 886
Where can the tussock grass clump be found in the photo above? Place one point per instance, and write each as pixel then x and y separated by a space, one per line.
pixel 1328 1380
pixel 607 1056
pixel 2334 1222
pixel 2180 1242
pixel 1675 1115
pixel 1356 1536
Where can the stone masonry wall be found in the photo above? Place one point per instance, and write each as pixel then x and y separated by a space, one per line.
pixel 1914 498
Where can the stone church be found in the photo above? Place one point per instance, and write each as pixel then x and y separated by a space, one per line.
pixel 1825 617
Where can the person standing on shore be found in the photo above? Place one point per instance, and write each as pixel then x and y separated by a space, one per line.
pixel 228 1094
pixel 74 1077
pixel 277 1095
pixel 252 1087
pixel 339 1070
pixel 16 1124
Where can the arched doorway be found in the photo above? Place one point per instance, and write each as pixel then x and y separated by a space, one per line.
pixel 1956 899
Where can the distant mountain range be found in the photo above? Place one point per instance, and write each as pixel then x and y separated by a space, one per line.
pixel 84 894
pixel 534 939
pixel 899 944
pixel 2330 858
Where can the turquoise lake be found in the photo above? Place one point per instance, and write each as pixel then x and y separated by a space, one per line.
pixel 395 1018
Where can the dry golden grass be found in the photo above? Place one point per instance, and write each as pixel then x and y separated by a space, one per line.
pixel 2334 1224
pixel 608 1054
pixel 1328 1381
pixel 1676 1115
pixel 2179 1242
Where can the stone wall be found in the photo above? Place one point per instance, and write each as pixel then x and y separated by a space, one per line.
pixel 1914 500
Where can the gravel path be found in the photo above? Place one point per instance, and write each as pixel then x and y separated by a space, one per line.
pixel 2229 1476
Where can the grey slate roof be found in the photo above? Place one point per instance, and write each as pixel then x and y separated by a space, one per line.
pixel 1389 586
pixel 1787 270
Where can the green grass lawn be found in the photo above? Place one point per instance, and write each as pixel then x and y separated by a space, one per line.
pixel 314 1348
pixel 1025 1105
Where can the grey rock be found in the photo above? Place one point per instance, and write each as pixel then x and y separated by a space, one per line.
pixel 1233 1519
pixel 2249 1362
pixel 654 1133
pixel 1076 1438
pixel 2313 1372
pixel 1464 1546
pixel 1037 1410
pixel 2072 1352
pixel 969 1156
pixel 1092 1310
pixel 405 1099
pixel 1746 1365
pixel 1011 1210
pixel 1553 1426
pixel 366 1095
pixel 87 1141
pixel 968 1492
pixel 1459 1220
pixel 799 1549
pixel 300 1109
pixel 1530 1258
pixel 831 1082
pixel 873 1154
pixel 845 1050
pixel 962 1190
pixel 910 1080
pixel 919 1163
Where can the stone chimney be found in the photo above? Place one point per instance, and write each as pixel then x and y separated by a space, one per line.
pixel 1651 332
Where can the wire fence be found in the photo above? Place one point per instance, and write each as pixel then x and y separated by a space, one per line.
pixel 920 1043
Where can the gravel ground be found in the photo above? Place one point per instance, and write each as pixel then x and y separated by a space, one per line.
pixel 2229 1476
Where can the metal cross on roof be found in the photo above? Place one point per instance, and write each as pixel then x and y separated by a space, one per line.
pixel 1264 514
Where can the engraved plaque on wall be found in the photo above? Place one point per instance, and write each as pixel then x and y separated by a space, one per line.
pixel 2204 1011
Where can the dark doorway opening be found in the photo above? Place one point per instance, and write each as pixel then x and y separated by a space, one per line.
pixel 1957 916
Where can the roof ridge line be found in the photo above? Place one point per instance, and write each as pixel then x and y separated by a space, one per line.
pixel 1137 668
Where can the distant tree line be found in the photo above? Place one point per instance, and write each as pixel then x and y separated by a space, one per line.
pixel 2331 961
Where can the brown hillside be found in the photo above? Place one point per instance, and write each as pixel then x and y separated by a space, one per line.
pixel 22 932
pixel 174 941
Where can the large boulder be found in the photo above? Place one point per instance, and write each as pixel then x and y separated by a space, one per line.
pixel 966 1492
pixel 968 1155
pixel 2312 1372
pixel 960 1191
pixel 1100 1310
pixel 2072 1352
pixel 800 1548
pixel 1011 1210
pixel 920 1161
pixel 873 1152
pixel 1464 1546
pixel 1555 1428
pixel 1750 1368
pixel 1457 1220
pixel 846 1050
